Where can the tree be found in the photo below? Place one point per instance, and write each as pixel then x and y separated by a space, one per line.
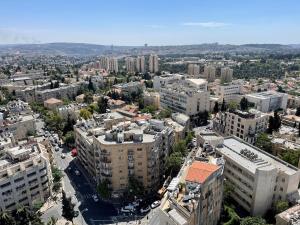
pixel 298 111
pixel 103 189
pixel 180 147
pixel 291 156
pixel 216 108
pixel 102 105
pixel 135 187
pixel 277 121
pixel 253 221
pixel 85 114
pixel 88 98
pixel 281 206
pixel 69 138
pixel 149 109
pixel 141 103
pixel 271 125
pixel 173 163
pixel 52 221
pixel 90 85
pixel 6 218
pixel 264 142
pixel 67 207
pixel 232 105
pixel 223 106
pixel 244 104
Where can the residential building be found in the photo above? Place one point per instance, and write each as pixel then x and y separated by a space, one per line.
pixel 104 63
pixel 153 63
pixel 129 88
pixel 290 216
pixel 188 96
pixel 52 103
pixel 130 65
pixel 229 92
pixel 226 75
pixel 194 197
pixel 259 178
pixel 25 176
pixel 208 137
pixel 193 69
pixel 268 101
pixel 163 80
pixel 245 125
pixel 210 73
pixel 152 98
pixel 140 64
pixel 113 65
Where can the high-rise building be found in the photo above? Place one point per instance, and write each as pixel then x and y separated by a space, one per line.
pixel 226 75
pixel 104 63
pixel 140 64
pixel 193 69
pixel 259 179
pixel 129 64
pixel 113 65
pixel 25 176
pixel 153 63
pixel 210 73
pixel 198 203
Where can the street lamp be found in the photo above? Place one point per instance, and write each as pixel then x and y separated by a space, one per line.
pixel 81 212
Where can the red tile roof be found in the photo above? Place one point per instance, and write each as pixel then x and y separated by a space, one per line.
pixel 200 171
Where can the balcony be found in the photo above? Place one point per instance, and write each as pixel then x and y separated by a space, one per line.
pixel 130 165
pixel 105 160
pixel 106 174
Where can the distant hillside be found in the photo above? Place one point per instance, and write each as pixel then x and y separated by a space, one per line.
pixel 80 49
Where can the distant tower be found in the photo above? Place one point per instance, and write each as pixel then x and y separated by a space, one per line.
pixel 153 63
pixel 226 75
pixel 129 63
pixel 140 64
pixel 193 69
pixel 210 73
pixel 146 45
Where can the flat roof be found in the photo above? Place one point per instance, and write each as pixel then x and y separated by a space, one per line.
pixel 232 149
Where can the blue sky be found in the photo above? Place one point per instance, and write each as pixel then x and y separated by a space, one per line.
pixel 156 22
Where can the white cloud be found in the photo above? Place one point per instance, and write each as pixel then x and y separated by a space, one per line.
pixel 206 24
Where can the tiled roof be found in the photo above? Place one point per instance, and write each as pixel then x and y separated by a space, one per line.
pixel 200 171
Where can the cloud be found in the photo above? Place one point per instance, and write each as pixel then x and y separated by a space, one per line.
pixel 206 24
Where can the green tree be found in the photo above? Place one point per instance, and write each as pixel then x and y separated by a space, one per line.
pixel 277 121
pixel 180 147
pixel 68 211
pixel 281 206
pixel 244 104
pixel 291 156
pixel 6 218
pixel 223 106
pixel 85 114
pixel 216 108
pixel 69 138
pixel 232 105
pixel 88 98
pixel 264 142
pixel 135 187
pixel 173 163
pixel 103 189
pixel 52 221
pixel 90 85
pixel 149 109
pixel 102 105
pixel 253 221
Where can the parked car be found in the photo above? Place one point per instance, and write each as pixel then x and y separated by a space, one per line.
pixel 146 209
pixel 95 198
pixel 155 204
pixel 129 207
pixel 63 156
pixel 125 210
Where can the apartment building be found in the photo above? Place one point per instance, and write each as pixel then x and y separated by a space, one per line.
pixel 268 101
pixel 188 96
pixel 210 73
pixel 290 216
pixel 259 178
pixel 153 63
pixel 194 197
pixel 193 69
pixel 226 75
pixel 165 79
pixel 151 98
pixel 129 88
pixel 130 65
pixel 229 92
pixel 140 64
pixel 25 176
pixel 245 125
pixel 114 149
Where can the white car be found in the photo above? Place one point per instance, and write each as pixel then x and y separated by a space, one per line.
pixel 155 204
pixel 146 209
pixel 77 172
pixel 125 210
pixel 63 156
pixel 95 198
pixel 129 207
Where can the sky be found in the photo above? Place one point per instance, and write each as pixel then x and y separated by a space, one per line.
pixel 155 22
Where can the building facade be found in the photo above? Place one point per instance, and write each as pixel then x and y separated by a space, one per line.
pixel 210 73
pixel 153 63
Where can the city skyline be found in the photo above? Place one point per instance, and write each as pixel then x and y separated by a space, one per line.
pixel 156 23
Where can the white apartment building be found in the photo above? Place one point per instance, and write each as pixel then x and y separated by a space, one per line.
pixel 113 65
pixel 268 101
pixel 229 92
pixel 130 65
pixel 259 178
pixel 188 96
pixel 193 69
pixel 226 75
pixel 153 63
pixel 163 80
pixel 25 177
pixel 104 63
pixel 245 125
pixel 140 64
pixel 210 73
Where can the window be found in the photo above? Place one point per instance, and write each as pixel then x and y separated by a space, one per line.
pixel 19 179
pixel 140 163
pixel 281 189
pixel 283 180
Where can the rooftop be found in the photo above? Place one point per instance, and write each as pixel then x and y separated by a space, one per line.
pixel 200 171
pixel 53 101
